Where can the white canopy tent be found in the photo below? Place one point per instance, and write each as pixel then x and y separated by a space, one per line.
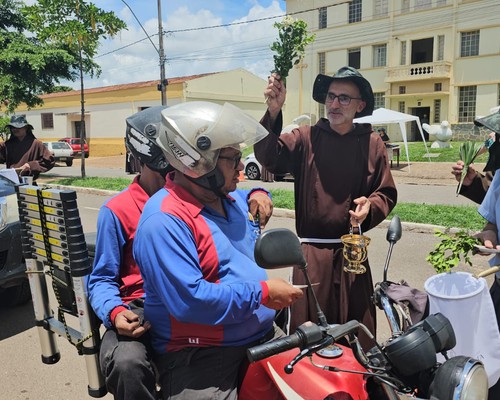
pixel 383 116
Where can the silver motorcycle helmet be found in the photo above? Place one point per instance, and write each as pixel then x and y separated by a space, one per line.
pixel 192 135
pixel 140 138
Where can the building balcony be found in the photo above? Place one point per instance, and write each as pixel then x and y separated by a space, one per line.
pixel 415 72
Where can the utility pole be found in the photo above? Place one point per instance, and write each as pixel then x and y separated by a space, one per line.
pixel 163 81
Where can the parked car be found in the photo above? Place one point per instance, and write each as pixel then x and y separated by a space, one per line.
pixel 253 169
pixel 61 151
pixel 76 146
pixel 14 285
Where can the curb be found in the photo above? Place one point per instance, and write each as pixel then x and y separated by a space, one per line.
pixel 277 212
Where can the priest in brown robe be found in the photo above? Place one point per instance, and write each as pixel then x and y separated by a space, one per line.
pixel 343 183
pixel 23 151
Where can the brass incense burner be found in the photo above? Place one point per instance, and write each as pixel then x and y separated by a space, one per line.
pixel 355 251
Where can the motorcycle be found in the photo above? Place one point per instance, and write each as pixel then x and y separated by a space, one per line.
pixel 404 366
pixel 312 364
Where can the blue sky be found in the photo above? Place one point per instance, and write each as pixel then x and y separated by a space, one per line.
pixel 131 57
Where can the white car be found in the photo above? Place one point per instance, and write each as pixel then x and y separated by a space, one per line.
pixel 253 169
pixel 61 151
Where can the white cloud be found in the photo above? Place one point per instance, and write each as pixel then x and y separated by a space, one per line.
pixel 192 52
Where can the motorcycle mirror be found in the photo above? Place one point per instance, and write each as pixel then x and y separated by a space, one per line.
pixel 394 231
pixel 278 248
pixel 393 235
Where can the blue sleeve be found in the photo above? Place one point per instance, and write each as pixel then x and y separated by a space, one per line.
pixel 104 281
pixel 167 255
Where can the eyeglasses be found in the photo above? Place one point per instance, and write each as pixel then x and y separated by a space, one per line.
pixel 236 160
pixel 344 99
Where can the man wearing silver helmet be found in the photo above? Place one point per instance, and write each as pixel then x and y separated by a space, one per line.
pixel 206 298
pixel 342 183
pixel 115 285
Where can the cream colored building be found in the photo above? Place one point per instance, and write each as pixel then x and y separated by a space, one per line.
pixel 437 59
pixel 106 108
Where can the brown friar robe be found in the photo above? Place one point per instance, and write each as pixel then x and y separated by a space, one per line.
pixel 330 171
pixel 15 153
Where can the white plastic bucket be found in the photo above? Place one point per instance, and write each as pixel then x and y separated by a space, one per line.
pixel 467 303
pixel 27 180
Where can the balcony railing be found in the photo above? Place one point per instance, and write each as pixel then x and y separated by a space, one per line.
pixel 414 72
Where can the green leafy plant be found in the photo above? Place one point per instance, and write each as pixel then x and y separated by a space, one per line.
pixel 451 249
pixel 468 153
pixel 291 45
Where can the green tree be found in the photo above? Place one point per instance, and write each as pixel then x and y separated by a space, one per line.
pixel 28 67
pixel 62 88
pixel 4 121
pixel 79 26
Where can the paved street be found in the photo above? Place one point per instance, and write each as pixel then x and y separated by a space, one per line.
pixel 24 377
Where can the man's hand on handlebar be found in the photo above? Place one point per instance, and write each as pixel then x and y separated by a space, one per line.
pixel 128 323
pixel 281 294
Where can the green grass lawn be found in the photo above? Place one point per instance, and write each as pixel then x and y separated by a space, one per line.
pixel 418 153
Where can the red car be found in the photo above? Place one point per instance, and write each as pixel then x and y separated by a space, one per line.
pixel 75 145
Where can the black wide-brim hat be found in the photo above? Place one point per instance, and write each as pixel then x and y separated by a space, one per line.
pixel 491 122
pixel 19 121
pixel 323 82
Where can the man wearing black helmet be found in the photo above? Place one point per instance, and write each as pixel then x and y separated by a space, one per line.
pixel 115 286
pixel 343 183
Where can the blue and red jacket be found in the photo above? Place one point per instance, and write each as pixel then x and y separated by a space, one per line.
pixel 202 283
pixel 115 279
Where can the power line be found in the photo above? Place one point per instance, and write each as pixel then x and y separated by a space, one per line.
pixel 337 37
pixel 139 22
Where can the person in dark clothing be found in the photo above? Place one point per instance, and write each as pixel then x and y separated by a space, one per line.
pixel 23 151
pixel 383 135
pixel 343 182
pixel 476 184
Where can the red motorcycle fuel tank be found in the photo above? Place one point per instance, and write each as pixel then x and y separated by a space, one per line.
pixel 267 380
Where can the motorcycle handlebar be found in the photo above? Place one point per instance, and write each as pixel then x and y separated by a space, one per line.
pixel 273 347
pixel 307 334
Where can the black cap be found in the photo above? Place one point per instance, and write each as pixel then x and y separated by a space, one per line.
pixel 322 84
pixel 19 121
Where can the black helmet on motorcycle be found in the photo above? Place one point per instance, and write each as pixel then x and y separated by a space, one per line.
pixel 140 138
pixel 192 135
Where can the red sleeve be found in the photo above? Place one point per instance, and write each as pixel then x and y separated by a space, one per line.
pixel 265 293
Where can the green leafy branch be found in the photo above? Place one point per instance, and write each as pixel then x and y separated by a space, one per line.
pixel 291 45
pixel 451 249
pixel 468 153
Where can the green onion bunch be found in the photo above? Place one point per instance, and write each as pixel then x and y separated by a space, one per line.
pixel 468 153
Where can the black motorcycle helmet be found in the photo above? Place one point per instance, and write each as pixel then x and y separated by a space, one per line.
pixel 140 139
